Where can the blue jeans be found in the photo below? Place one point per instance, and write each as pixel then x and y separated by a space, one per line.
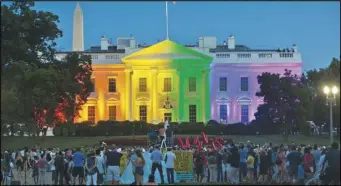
pixel 220 175
pixel 242 170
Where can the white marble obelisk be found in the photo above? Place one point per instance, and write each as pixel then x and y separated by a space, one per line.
pixel 78 36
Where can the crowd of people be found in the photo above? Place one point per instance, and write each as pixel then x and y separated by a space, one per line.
pixel 231 164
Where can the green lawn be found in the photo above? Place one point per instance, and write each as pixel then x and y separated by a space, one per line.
pixel 67 142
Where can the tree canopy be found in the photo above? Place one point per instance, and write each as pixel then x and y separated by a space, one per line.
pixel 35 86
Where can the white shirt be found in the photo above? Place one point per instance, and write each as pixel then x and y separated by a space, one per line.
pixel 170 159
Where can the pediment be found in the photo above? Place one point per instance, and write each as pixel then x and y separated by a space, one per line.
pixel 244 99
pixel 143 99
pixel 223 99
pixel 166 51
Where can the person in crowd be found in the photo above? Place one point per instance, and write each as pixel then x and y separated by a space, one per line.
pixel 300 173
pixel 68 173
pixel 35 171
pixel 333 168
pixel 308 162
pixel 293 159
pixel 199 167
pixel 250 166
pixel 139 165
pixel 226 165
pixel 212 166
pixel 219 158
pixel 91 169
pixel 78 166
pixel 59 165
pixel 169 162
pixel 42 164
pixel 151 180
pixel 316 155
pixel 316 178
pixel 280 163
pixel 263 166
pixel 235 162
pixel 242 162
pixel 19 164
pixel 100 167
pixel 156 158
pixel 133 157
pixel 113 164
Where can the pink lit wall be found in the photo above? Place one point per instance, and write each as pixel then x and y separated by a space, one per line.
pixel 234 97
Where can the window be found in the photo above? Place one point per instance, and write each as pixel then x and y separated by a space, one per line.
pixel 223 112
pixel 223 84
pixel 143 85
pixel 167 117
pixel 112 85
pixel 92 87
pixel 92 114
pixel 265 55
pixel 192 113
pixel 222 55
pixel 245 114
pixel 167 85
pixel 112 113
pixel 143 113
pixel 111 57
pixel 244 55
pixel 244 84
pixel 192 84
pixel 286 55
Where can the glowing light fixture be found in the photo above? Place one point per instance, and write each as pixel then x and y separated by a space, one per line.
pixel 334 90
pixel 326 90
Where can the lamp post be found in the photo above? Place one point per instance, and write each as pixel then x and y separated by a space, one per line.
pixel 331 101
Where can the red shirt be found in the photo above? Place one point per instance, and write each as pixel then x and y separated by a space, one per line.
pixel 41 163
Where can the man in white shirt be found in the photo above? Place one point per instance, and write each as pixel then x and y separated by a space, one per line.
pixel 169 161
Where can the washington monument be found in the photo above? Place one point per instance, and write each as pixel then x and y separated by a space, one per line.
pixel 78 36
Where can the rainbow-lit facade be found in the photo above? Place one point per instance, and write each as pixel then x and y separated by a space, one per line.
pixel 193 83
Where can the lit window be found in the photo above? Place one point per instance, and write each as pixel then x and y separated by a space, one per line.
pixel 92 114
pixel 245 114
pixel 168 117
pixel 192 84
pixel 223 84
pixel 143 113
pixel 244 84
pixel 112 113
pixel 143 85
pixel 112 85
pixel 223 112
pixel 167 85
pixel 192 113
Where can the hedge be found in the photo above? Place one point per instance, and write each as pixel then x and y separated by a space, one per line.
pixel 127 128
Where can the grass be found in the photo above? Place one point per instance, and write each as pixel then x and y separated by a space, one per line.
pixel 70 142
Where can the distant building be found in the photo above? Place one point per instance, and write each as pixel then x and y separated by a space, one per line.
pixel 175 82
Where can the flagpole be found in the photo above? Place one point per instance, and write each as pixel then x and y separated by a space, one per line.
pixel 167 20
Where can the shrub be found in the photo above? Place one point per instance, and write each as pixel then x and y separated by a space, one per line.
pixel 128 128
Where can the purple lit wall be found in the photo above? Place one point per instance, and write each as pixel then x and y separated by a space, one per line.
pixel 234 98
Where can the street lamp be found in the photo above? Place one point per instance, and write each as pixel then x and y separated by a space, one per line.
pixel 331 101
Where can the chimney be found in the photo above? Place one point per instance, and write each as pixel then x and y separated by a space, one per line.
pixel 231 42
pixel 294 48
pixel 104 43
